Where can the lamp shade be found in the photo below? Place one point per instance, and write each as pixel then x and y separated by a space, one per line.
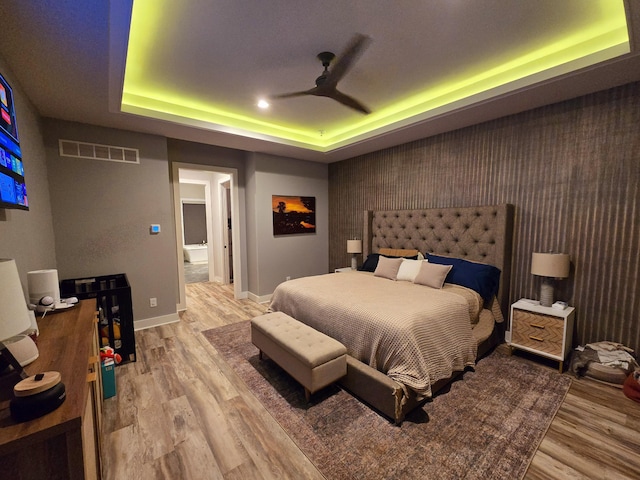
pixel 14 315
pixel 354 246
pixel 553 265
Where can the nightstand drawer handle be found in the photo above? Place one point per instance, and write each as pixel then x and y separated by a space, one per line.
pixel 537 339
pixel 536 325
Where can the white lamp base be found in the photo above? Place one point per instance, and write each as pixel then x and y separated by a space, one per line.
pixel 23 349
pixel 354 262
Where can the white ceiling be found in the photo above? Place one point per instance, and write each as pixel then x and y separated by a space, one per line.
pixel 69 57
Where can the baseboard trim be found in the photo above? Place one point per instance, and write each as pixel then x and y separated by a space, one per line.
pixel 259 299
pixel 242 295
pixel 155 321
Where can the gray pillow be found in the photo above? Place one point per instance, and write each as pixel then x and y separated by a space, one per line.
pixel 432 274
pixel 388 267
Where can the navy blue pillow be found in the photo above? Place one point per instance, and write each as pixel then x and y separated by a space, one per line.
pixel 483 278
pixel 371 262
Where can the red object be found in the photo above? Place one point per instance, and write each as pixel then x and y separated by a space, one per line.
pixel 631 388
pixel 108 352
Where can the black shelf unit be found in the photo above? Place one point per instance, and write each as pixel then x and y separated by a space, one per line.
pixel 113 298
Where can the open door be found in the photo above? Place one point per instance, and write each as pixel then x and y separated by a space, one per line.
pixel 227 226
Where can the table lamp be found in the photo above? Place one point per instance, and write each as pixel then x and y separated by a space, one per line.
pixel 549 266
pixel 17 350
pixel 354 247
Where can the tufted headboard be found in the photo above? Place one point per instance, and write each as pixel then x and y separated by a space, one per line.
pixel 481 234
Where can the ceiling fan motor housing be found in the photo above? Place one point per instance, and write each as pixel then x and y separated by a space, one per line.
pixel 326 58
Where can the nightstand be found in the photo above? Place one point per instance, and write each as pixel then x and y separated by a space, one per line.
pixel 343 269
pixel 545 331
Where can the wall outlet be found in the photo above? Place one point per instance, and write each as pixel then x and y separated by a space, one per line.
pixel 287 278
pixel 153 302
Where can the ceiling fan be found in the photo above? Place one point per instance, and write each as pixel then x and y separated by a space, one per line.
pixel 326 83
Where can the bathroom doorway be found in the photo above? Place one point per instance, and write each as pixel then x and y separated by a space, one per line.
pixel 208 254
pixel 195 240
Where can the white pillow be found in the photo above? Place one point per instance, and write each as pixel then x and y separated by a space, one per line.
pixel 408 269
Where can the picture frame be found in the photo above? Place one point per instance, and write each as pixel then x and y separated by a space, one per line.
pixel 293 215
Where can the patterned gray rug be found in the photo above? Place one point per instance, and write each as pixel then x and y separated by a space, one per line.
pixel 487 425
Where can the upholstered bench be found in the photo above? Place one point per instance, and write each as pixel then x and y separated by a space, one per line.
pixel 311 357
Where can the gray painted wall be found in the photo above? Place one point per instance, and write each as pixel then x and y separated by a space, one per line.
pixel 102 212
pixel 27 236
pixel 274 258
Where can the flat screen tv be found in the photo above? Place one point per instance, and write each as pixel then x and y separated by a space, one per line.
pixel 13 191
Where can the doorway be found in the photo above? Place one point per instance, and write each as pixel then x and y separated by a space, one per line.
pixel 215 189
pixel 195 237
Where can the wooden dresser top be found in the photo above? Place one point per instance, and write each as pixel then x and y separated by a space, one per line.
pixel 64 345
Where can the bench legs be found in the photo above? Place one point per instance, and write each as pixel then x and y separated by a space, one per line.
pixel 307 392
pixel 286 341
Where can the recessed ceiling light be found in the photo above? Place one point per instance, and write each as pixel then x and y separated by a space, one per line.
pixel 262 103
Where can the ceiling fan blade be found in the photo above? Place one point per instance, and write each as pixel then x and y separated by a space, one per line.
pixel 326 83
pixel 311 91
pixel 348 101
pixel 345 61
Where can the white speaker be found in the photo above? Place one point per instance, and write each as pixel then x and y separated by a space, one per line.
pixel 43 283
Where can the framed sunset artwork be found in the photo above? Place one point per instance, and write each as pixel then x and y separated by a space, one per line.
pixel 293 215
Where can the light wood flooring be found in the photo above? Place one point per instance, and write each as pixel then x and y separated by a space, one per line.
pixel 182 413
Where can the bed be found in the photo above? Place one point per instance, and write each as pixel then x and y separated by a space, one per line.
pixel 406 337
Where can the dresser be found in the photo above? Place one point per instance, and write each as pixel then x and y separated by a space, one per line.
pixel 544 331
pixel 65 443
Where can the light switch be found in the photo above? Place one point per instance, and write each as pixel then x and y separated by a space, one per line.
pixel 154 229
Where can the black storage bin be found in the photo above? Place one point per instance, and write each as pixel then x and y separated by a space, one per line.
pixel 113 298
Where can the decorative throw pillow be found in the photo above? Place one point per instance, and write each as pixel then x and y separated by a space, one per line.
pixel 398 252
pixel 388 267
pixel 432 274
pixel 483 278
pixel 408 269
pixel 370 263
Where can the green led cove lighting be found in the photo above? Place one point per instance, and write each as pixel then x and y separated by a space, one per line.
pixel 602 40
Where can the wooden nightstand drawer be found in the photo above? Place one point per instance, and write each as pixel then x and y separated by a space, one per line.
pixel 538 331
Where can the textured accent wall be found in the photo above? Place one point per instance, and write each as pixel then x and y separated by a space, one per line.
pixel 572 170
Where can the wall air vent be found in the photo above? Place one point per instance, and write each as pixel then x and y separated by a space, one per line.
pixel 94 151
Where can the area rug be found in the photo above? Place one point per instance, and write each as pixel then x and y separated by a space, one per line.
pixel 488 424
